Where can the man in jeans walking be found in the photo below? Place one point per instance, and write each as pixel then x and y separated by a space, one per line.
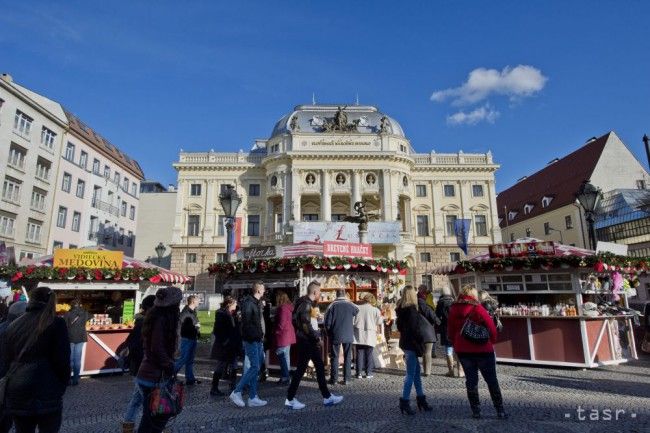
pixel 309 345
pixel 76 319
pixel 190 332
pixel 339 322
pixel 253 335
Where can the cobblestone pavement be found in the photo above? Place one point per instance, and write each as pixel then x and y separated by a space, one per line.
pixel 538 400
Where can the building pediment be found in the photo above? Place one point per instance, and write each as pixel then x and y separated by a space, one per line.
pixel 450 208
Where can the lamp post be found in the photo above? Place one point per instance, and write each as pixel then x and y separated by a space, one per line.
pixel 230 201
pixel 588 195
pixel 160 252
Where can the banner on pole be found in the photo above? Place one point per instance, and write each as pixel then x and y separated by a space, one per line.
pixel 461 229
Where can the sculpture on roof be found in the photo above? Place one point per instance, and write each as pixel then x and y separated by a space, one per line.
pixel 338 123
pixel 384 126
pixel 293 125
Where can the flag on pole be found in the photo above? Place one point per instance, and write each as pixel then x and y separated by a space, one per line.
pixel 461 229
pixel 235 239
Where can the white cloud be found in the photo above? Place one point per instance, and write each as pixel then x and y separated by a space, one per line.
pixel 518 82
pixel 484 113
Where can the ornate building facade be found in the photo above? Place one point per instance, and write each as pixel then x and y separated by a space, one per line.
pixel 318 162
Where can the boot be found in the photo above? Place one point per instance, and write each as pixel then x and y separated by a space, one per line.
pixel 214 391
pixel 450 366
pixel 474 403
pixel 128 427
pixel 497 401
pixel 459 368
pixel 422 403
pixel 405 406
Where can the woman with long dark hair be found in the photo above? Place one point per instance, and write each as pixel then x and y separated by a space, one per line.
pixel 226 346
pixel 36 358
pixel 160 337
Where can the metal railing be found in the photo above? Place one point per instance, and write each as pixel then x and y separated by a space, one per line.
pixel 106 207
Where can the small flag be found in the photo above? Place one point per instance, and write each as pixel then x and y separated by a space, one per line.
pixel 461 229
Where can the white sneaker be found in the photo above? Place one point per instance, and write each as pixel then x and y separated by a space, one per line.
pixel 334 399
pixel 359 376
pixel 256 402
pixel 293 404
pixel 236 398
pixel 369 377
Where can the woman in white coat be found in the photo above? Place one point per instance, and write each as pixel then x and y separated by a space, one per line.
pixel 366 325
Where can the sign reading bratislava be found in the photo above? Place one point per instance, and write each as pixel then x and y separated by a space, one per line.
pixel 321 231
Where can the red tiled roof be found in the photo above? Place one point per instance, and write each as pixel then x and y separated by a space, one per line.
pixel 559 180
pixel 102 145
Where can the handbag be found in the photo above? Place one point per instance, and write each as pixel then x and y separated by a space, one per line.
pixel 167 398
pixel 473 331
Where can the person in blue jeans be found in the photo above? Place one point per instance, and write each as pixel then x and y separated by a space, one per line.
pixel 190 332
pixel 75 320
pixel 411 341
pixel 252 333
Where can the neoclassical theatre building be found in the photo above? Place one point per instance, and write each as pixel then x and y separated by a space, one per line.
pixel 304 179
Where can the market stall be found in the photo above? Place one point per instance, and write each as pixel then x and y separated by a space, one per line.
pixel 108 285
pixel 559 305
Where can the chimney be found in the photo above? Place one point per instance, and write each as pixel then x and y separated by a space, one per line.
pixel 7 78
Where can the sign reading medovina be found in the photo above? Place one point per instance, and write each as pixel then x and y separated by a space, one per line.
pixel 87 259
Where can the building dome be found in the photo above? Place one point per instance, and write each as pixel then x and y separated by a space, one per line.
pixel 317 118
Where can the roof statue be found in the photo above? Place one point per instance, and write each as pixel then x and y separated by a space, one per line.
pixel 339 123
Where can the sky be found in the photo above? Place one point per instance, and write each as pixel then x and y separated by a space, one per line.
pixel 527 80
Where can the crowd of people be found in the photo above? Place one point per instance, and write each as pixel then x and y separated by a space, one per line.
pixel 38 347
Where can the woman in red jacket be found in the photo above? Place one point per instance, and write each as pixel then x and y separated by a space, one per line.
pixel 475 357
pixel 285 335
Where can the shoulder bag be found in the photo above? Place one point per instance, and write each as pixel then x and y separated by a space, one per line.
pixel 167 398
pixel 473 331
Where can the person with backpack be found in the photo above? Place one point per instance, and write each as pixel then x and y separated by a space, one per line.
pixel 35 365
pixel 442 312
pixel 75 320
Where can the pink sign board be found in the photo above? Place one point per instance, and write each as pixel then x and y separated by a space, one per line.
pixel 346 249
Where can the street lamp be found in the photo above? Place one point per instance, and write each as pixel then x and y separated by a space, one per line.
pixel 589 196
pixel 230 201
pixel 160 252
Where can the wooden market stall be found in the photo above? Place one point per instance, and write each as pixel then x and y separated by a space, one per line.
pixel 108 285
pixel 559 305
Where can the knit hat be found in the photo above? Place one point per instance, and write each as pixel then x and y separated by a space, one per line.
pixel 168 296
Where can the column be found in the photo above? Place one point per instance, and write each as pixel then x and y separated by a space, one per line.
pixel 439 223
pixel 465 197
pixel 210 215
pixel 325 198
pixel 495 230
pixel 356 189
pixel 295 196
pixel 270 216
pixel 178 234
pixel 286 197
pixel 386 197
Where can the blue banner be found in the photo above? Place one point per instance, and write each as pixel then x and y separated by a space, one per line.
pixel 461 229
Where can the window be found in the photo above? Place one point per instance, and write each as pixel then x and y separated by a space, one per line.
pixel 338 216
pixel 528 232
pixel 477 190
pixel 83 160
pixel 17 156
pixel 450 221
pixel 67 182
pixel 107 172
pixel 28 255
pixel 221 257
pixel 69 152
pixel 546 201
pixel 427 280
pixel 38 200
pixel 72 246
pixel 43 169
pixel 34 232
pixel 57 245
pixel 121 236
pixel 193 224
pixel 190 257
pixel 425 257
pixel 512 237
pixel 480 223
pixel 125 184
pixel 22 124
pixel 221 225
pixel 310 217
pixel 254 190
pixel 132 213
pixel 96 166
pixel 547 228
pixel 449 190
pixel 420 190
pixel 423 225
pixel 129 240
pixel 94 228
pixel 11 190
pixel 61 216
pixel 195 189
pixel 454 257
pixel 7 222
pixel 253 225
pixel 568 223
pixel 116 177
pixel 640 184
pixel 123 209
pixel 528 208
pixel 47 138
pixel 274 181
pixel 76 221
pixel 134 189
pixel 81 187
pixel 512 215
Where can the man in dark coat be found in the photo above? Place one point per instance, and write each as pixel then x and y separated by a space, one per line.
pixel 75 320
pixel 16 310
pixel 339 323
pixel 226 346
pixel 442 312
pixel 190 332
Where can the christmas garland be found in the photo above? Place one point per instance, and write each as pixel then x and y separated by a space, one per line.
pixel 307 263
pixel 602 262
pixel 18 274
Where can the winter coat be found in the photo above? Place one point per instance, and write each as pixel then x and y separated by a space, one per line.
pixel 427 326
pixel 75 320
pixel 442 312
pixel 339 319
pixel 227 338
pixel 365 325
pixel 37 385
pixel 135 345
pixel 460 310
pixel 301 320
pixel 285 334
pixel 158 356
pixel 190 326
pixel 251 320
pixel 410 332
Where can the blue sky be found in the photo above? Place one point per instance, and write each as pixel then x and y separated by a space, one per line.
pixel 155 77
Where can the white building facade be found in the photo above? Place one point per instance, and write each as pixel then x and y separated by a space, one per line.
pixel 319 161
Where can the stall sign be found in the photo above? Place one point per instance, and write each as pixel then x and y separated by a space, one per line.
pixel 522 249
pixel 257 252
pixel 96 259
pixel 348 249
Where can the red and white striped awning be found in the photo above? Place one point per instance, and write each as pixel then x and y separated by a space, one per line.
pixel 306 248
